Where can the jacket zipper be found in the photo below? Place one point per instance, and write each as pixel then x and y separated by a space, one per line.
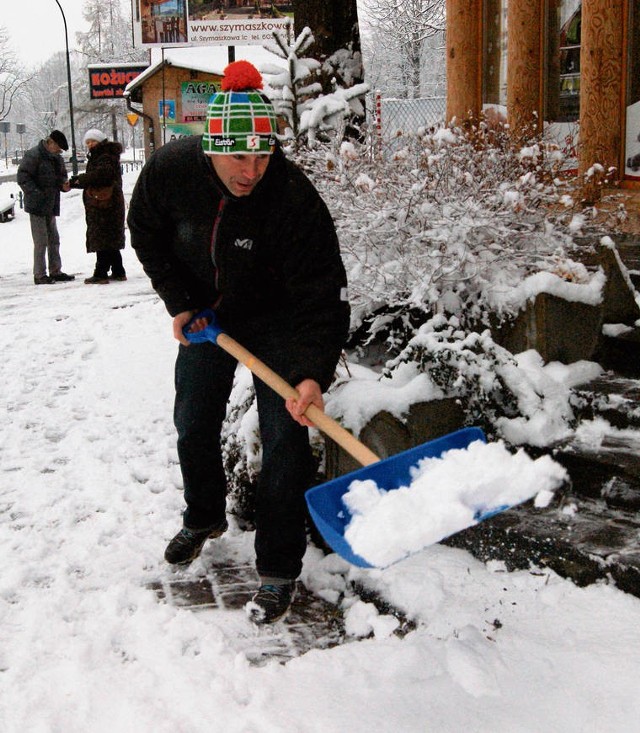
pixel 214 238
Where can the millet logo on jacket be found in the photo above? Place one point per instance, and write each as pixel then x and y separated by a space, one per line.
pixel 244 243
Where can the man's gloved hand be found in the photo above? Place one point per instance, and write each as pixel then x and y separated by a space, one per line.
pixel 73 182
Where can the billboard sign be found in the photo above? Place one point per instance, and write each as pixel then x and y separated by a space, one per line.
pixel 108 81
pixel 175 23
pixel 195 98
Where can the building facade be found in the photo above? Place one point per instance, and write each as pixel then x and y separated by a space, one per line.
pixel 570 68
pixel 172 98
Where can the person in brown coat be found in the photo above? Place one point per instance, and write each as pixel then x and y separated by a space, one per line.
pixel 104 206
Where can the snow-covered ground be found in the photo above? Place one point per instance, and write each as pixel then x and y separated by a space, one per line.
pixel 89 496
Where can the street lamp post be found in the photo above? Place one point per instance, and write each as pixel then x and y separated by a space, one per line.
pixel 74 157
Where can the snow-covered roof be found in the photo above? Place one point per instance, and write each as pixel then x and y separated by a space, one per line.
pixel 208 59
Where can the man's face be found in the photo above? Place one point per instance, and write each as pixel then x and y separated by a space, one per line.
pixel 52 147
pixel 240 172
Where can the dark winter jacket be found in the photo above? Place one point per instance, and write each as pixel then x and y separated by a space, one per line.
pixel 41 175
pixel 265 259
pixel 105 226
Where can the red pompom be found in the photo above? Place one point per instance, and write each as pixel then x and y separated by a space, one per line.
pixel 240 76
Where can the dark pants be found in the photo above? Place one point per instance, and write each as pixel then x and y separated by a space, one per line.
pixel 204 378
pixel 108 259
pixel 46 242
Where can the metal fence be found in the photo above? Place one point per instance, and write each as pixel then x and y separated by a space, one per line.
pixel 395 117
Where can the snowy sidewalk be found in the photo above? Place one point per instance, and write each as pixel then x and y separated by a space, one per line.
pixel 89 495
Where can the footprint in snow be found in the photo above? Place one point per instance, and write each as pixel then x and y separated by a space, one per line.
pixel 473 661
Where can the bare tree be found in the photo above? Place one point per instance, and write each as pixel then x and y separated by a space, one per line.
pixel 109 36
pixel 12 76
pixel 48 97
pixel 404 33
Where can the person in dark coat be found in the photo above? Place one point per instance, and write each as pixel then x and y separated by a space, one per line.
pixel 41 176
pixel 224 220
pixel 104 206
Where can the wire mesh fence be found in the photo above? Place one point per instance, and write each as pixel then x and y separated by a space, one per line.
pixel 395 118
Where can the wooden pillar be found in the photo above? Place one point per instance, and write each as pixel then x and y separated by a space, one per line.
pixel 601 84
pixel 464 59
pixel 524 64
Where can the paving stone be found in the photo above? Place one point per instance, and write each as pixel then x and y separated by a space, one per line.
pixel 312 623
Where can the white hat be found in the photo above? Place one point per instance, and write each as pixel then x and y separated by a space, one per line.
pixel 94 134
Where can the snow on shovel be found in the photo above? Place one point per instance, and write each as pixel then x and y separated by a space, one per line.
pixel 392 508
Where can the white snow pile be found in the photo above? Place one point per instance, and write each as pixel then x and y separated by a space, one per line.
pixel 446 494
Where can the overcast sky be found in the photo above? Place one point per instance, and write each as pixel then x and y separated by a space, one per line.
pixel 36 27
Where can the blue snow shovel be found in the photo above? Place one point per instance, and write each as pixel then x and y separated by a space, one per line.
pixel 326 507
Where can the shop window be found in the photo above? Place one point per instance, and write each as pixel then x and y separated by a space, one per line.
pixel 564 25
pixel 494 92
pixel 632 147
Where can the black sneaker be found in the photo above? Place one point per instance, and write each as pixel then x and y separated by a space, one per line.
pixel 118 278
pixel 270 603
pixel 187 544
pixel 96 280
pixel 44 280
pixel 62 277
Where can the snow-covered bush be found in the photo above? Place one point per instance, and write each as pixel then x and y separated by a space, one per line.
pixel 450 223
pixel 241 449
pixel 444 239
pixel 466 365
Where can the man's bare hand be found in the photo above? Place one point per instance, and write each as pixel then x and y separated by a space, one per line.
pixel 309 394
pixel 181 320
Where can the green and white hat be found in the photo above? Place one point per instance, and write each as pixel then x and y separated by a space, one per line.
pixel 240 119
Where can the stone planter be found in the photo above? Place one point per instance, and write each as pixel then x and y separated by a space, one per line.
pixel 558 329
pixel 386 435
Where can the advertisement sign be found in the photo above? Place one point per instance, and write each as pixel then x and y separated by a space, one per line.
pixel 196 23
pixel 108 81
pixel 195 97
pixel 167 109
pixel 172 131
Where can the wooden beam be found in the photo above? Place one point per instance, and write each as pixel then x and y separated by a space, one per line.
pixel 524 66
pixel 601 89
pixel 464 59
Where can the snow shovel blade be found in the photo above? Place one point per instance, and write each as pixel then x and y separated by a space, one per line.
pixel 332 516
pixel 325 504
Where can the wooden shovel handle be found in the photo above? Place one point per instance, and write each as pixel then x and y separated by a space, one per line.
pixel 330 427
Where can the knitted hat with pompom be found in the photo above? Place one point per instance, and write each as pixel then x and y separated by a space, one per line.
pixel 240 119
